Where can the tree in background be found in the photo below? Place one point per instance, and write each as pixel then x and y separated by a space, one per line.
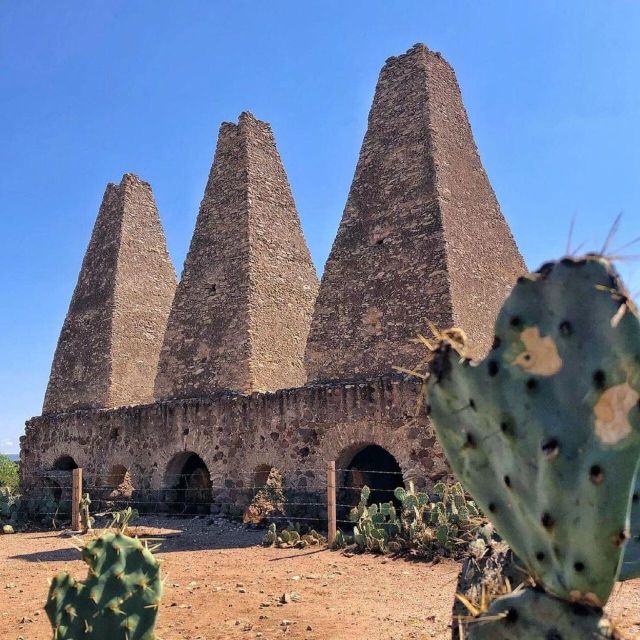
pixel 8 473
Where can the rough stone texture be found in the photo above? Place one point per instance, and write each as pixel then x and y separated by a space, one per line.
pixel 422 237
pixel 243 307
pixel 295 430
pixel 108 349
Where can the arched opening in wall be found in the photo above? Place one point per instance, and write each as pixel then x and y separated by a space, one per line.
pixel 370 465
pixel 189 483
pixel 118 484
pixel 57 484
pixel 267 495
pixel 65 463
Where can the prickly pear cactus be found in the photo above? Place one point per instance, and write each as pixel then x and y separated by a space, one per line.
pixel 631 560
pixel 86 519
pixel 531 614
pixel 292 538
pixel 545 432
pixel 119 599
pixel 375 525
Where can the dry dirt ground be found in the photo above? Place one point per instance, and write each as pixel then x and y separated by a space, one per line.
pixel 221 584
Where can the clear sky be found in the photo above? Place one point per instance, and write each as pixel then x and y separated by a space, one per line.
pixel 90 90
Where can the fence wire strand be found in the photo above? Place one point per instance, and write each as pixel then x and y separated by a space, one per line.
pixel 202 493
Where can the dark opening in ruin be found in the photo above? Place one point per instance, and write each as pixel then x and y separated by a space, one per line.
pixel 57 483
pixel 373 466
pixel 54 489
pixel 65 463
pixel 189 483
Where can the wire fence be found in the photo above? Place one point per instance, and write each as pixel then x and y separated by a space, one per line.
pixel 258 494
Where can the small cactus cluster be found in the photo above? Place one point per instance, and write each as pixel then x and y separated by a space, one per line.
pixel 445 524
pixel 375 524
pixel 122 519
pixel 119 600
pixel 292 538
pixel 545 435
pixel 452 517
pixel 86 519
pixel 39 506
pixel 341 540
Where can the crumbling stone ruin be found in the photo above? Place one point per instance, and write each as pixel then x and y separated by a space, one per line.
pixel 248 364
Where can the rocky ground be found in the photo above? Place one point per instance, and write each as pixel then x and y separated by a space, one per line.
pixel 221 584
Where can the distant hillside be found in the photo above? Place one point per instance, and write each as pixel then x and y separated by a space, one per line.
pixel 12 456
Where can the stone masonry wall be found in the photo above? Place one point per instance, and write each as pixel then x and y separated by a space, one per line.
pixel 108 349
pixel 483 262
pixel 410 246
pixel 284 285
pixel 242 310
pixel 296 430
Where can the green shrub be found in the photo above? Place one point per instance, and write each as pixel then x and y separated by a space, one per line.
pixel 9 474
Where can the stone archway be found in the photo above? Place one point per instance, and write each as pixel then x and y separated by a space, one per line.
pixel 188 484
pixel 366 464
pixel 64 463
pixel 57 482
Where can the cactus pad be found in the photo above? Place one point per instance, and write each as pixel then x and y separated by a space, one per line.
pixel 545 432
pixel 118 600
pixel 534 615
pixel 630 568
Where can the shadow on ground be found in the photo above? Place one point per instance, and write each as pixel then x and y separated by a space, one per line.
pixel 172 534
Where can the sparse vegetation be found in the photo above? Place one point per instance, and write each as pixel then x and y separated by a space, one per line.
pixel 268 501
pixel 122 519
pixel 444 523
pixel 292 537
pixel 9 476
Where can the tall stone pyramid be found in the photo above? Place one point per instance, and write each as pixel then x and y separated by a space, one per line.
pixel 242 310
pixel 108 349
pixel 422 237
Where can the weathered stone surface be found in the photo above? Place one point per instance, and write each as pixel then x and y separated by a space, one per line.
pixel 422 237
pixel 294 430
pixel 243 307
pixel 108 349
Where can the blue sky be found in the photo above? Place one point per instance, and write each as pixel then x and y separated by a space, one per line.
pixel 90 90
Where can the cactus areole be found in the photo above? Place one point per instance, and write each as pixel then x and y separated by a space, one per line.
pixel 545 431
pixel 119 599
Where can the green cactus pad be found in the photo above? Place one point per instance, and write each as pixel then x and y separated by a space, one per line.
pixel 545 432
pixel 119 599
pixel 630 568
pixel 533 615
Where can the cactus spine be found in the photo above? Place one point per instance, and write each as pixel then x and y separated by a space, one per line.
pixel 545 432
pixel 119 599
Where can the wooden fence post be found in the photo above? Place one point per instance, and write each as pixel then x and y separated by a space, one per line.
pixel 331 501
pixel 76 496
